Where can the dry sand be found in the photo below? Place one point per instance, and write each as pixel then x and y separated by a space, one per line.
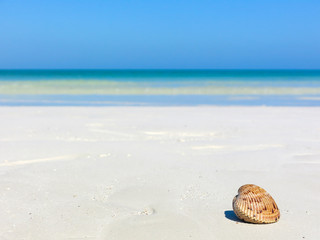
pixel 155 173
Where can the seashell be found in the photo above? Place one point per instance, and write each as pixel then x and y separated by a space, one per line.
pixel 253 204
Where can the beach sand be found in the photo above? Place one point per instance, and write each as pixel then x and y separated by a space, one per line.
pixel 171 173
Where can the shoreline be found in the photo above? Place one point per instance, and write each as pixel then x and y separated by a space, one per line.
pixel 69 100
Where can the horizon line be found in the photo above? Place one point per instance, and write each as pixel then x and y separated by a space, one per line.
pixel 160 69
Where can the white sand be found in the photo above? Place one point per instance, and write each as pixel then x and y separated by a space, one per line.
pixel 156 173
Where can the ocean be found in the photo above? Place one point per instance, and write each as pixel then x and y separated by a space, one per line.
pixel 159 87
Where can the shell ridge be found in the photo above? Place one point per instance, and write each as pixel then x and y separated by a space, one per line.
pixel 252 206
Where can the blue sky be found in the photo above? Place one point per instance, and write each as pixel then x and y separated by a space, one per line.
pixel 221 34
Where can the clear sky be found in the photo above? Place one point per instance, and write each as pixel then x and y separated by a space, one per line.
pixel 217 34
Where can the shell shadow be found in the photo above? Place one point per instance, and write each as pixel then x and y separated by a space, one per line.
pixel 231 216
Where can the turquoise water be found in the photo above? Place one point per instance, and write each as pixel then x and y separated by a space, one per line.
pixel 159 87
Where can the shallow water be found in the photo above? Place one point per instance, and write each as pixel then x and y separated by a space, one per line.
pixel 159 87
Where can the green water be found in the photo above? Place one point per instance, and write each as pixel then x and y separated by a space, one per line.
pixel 82 85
